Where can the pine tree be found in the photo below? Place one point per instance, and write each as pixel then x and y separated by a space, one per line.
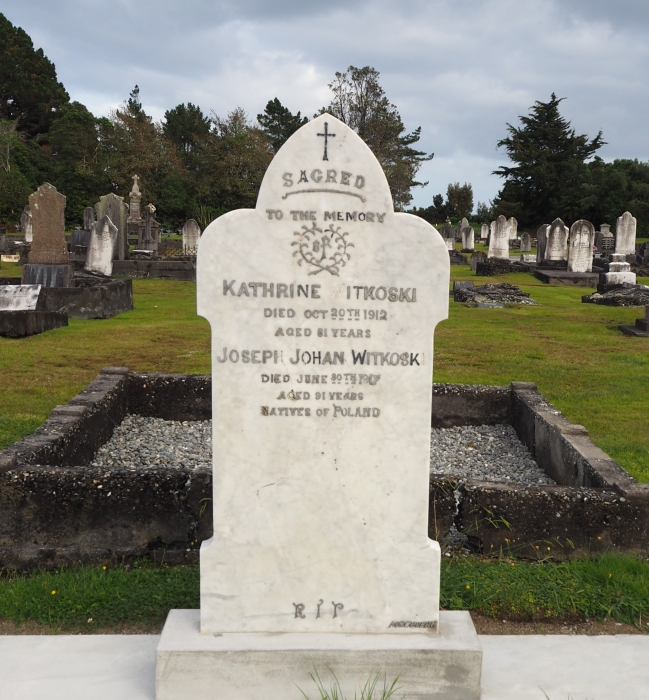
pixel 29 90
pixel 549 172
pixel 279 124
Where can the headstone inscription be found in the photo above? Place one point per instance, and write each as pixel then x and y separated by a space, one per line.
pixel 191 237
pixel 580 249
pixel 526 243
pixel 499 240
pixel 556 241
pixel 468 236
pixel 116 210
pixel 625 234
pixel 103 239
pixel 484 232
pixel 26 224
pixel 322 303
pixel 512 223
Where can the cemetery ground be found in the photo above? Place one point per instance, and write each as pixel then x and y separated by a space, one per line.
pixel 572 351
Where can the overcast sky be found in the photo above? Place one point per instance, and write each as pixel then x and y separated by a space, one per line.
pixel 460 69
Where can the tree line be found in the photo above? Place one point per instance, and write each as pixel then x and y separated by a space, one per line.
pixel 196 165
pixel 190 164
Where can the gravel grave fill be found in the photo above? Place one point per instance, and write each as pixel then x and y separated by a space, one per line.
pixel 482 452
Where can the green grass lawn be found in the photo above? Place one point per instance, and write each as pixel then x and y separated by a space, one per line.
pixel 573 351
pixel 80 598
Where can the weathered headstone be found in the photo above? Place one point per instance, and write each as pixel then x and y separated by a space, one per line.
pixel 26 224
pixel 557 240
pixel 476 258
pixel 513 228
pixel 468 236
pixel 580 249
pixel 88 218
pixel 135 198
pixel 526 243
pixel 191 237
pixel 619 272
pixel 19 297
pixel 625 234
pixel 484 232
pixel 150 231
pixel 49 260
pixel 48 220
pixel 499 240
pixel 448 234
pixel 322 303
pixel 103 239
pixel 116 210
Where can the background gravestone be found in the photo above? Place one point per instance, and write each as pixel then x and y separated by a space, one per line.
pixel 101 247
pixel 191 237
pixel 26 224
pixel 468 235
pixel 116 210
pixel 580 249
pixel 541 242
pixel 484 232
pixel 88 218
pixel 448 234
pixel 526 243
pixel 557 239
pixel 48 221
pixel 512 224
pixel 499 239
pixel 625 234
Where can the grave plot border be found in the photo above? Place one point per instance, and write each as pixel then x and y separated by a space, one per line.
pixel 56 510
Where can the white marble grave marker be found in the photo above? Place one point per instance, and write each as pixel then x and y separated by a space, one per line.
pixel 512 223
pixel 322 302
pixel 484 232
pixel 499 239
pixel 191 237
pixel 557 239
pixel 580 248
pixel 468 238
pixel 104 236
pixel 625 234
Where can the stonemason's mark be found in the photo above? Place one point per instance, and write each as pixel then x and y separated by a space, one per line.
pixel 313 249
pixel 406 623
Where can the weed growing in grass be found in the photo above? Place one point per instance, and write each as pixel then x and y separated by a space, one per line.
pixel 610 586
pixel 368 692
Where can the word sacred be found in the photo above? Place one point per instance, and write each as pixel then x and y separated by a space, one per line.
pixel 292 291
pixel 330 177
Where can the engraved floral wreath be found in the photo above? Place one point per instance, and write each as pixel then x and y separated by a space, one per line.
pixel 310 245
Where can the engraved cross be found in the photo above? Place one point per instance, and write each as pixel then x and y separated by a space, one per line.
pixel 327 136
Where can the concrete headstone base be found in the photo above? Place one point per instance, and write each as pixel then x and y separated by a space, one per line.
pixel 248 666
pixel 568 279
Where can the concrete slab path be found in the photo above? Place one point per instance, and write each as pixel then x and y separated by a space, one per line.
pixel 84 667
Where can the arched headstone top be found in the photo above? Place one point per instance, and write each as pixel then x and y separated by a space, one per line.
pixel 327 163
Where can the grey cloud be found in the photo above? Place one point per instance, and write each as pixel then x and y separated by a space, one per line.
pixel 460 69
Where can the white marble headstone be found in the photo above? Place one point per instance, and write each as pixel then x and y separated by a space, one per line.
pixel 468 238
pixel 26 224
pixel 512 223
pixel 541 242
pixel 557 241
pixel 484 232
pixel 191 237
pixel 322 302
pixel 101 248
pixel 499 240
pixel 625 234
pixel 19 297
pixel 580 248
